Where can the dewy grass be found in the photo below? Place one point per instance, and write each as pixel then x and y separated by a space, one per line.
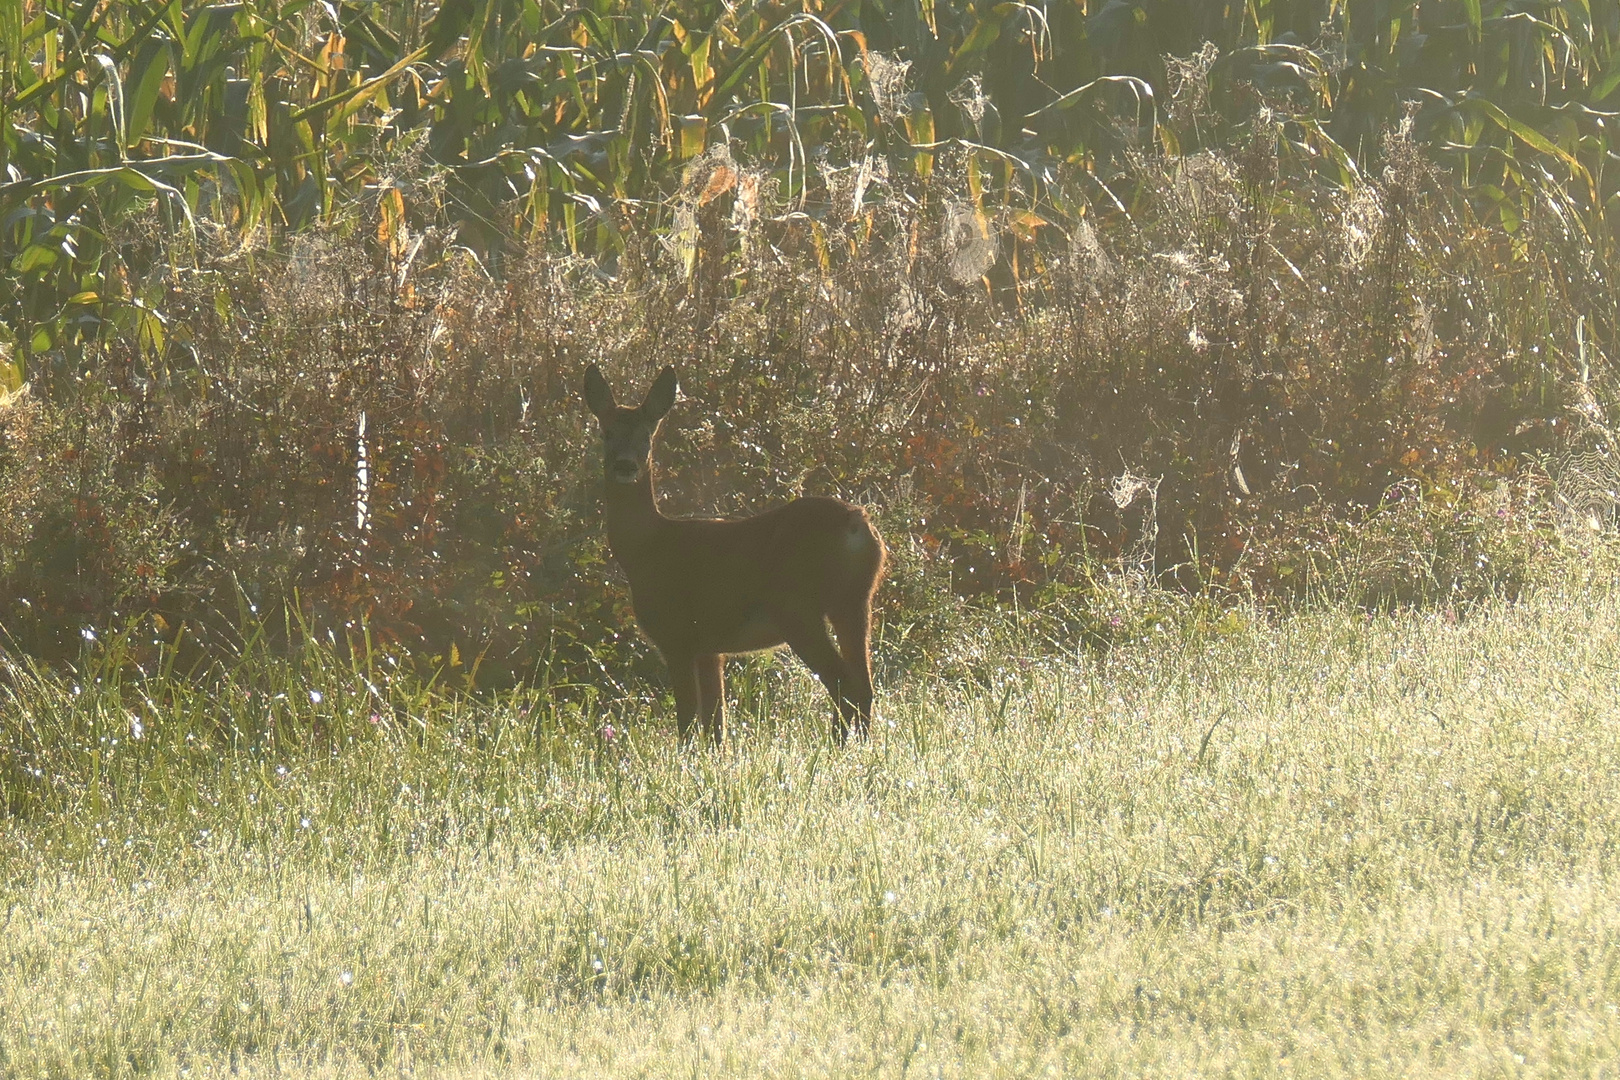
pixel 1333 844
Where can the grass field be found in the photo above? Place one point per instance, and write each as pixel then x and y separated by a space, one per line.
pixel 1322 845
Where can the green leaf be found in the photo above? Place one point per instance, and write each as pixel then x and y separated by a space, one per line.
pixel 1535 140
pixel 1606 85
pixel 150 333
pixel 11 372
pixel 115 99
pixel 448 25
pixel 35 258
pixel 980 38
pixel 147 73
pixel 353 99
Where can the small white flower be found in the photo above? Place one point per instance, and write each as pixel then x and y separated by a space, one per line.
pixel 888 898
pixel 315 697
pixel 303 823
pixel 346 978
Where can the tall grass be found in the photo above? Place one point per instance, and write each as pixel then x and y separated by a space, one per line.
pixel 1334 843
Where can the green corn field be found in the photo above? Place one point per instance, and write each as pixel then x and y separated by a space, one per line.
pixel 580 124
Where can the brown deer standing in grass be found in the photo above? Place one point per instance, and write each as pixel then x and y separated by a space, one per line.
pixel 703 588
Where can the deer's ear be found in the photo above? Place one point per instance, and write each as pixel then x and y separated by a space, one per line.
pixel 598 394
pixel 661 395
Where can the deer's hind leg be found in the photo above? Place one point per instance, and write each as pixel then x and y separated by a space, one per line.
pixel 711 696
pixel 811 642
pixel 853 624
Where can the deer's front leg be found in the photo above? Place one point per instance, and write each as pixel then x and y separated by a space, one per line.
pixel 683 680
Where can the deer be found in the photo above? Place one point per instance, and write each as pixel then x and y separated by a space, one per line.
pixel 706 588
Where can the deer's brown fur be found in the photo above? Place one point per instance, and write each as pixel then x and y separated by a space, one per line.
pixel 704 588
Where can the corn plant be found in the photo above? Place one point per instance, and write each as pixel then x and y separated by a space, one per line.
pixel 574 121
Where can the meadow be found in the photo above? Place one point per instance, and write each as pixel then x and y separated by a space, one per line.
pixel 1324 843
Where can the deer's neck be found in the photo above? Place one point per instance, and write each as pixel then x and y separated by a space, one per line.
pixel 633 520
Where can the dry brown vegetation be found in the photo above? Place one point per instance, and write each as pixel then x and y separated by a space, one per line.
pixel 1245 381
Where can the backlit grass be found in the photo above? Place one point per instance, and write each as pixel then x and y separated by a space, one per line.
pixel 1332 844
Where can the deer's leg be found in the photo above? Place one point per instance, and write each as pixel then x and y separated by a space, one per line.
pixel 854 629
pixel 811 642
pixel 683 681
pixel 711 685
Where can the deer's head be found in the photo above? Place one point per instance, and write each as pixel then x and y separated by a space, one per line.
pixel 627 433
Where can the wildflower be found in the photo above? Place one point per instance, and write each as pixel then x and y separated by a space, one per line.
pixel 315 697
pixel 375 719
pixel 608 732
